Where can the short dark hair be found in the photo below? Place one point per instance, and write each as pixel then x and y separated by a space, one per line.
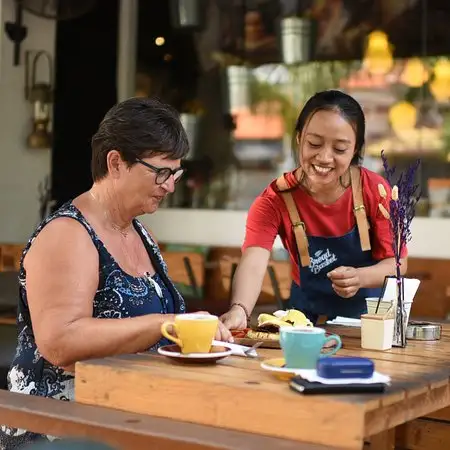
pixel 138 128
pixel 343 104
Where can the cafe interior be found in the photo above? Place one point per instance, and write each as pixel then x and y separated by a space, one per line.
pixel 238 73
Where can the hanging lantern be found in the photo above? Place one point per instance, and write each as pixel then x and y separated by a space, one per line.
pixel 415 74
pixel 403 117
pixel 296 40
pixel 188 14
pixel 238 88
pixel 440 86
pixel 40 96
pixel 378 59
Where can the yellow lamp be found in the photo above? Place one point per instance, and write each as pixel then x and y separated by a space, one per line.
pixel 378 59
pixel 403 117
pixel 415 74
pixel 440 86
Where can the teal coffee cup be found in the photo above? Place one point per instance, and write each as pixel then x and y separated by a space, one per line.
pixel 302 346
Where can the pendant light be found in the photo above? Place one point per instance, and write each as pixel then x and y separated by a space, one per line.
pixel 378 59
pixel 440 86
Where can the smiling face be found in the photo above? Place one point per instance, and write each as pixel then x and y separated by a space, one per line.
pixel 137 184
pixel 326 148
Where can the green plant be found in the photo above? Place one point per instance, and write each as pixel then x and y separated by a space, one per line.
pixel 303 81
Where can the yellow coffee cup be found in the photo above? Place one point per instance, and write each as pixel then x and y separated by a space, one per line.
pixel 195 332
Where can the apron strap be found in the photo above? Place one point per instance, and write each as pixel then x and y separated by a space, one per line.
pixel 359 208
pixel 297 225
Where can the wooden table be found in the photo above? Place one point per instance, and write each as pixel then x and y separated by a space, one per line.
pixel 237 394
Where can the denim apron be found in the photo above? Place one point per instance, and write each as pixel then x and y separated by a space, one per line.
pixel 319 255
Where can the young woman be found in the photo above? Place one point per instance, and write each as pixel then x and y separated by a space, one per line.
pixel 327 215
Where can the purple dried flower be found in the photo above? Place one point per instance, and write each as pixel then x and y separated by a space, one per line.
pixel 402 211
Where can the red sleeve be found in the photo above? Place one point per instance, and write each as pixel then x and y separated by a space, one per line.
pixel 381 233
pixel 263 222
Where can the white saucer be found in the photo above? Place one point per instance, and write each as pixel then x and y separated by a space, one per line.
pixel 217 352
pixel 276 366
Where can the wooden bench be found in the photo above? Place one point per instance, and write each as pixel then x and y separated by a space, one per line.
pixel 128 430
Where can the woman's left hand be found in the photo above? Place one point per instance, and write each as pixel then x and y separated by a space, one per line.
pixel 345 281
pixel 223 333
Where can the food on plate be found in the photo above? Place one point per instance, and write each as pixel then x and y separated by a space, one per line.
pixel 269 325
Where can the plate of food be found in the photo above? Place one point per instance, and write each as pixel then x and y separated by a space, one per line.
pixel 267 330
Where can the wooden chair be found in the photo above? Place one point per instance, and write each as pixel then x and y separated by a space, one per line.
pixel 8 344
pixel 432 301
pixel 276 284
pixel 10 255
pixel 186 270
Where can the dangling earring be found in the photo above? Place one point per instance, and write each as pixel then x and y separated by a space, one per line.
pixel 341 182
pixel 299 169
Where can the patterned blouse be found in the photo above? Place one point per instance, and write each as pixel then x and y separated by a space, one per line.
pixel 118 295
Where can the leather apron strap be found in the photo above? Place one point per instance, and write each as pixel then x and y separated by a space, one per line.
pixel 359 209
pixel 297 225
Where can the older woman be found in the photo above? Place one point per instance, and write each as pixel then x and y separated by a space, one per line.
pixel 326 213
pixel 92 263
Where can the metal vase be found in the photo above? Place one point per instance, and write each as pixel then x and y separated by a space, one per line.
pixel 296 40
pixel 238 88
pixel 188 14
pixel 191 123
pixel 400 316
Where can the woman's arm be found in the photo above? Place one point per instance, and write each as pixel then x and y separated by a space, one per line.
pixel 249 277
pixel 62 278
pixel 263 222
pixel 246 286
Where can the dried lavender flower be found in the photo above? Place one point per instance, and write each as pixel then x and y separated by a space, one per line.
pixel 405 196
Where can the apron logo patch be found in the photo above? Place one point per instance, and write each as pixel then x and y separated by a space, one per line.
pixel 322 259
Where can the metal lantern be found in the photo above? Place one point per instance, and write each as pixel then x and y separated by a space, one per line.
pixel 238 88
pixel 40 96
pixel 188 14
pixel 296 40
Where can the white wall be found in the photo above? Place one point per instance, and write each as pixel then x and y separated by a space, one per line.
pixel 430 236
pixel 21 169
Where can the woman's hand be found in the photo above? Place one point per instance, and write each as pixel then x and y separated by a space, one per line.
pixel 223 333
pixel 235 318
pixel 345 281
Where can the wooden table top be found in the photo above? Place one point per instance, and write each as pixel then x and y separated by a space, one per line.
pixel 237 394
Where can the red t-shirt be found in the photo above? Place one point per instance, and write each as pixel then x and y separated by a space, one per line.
pixel 268 217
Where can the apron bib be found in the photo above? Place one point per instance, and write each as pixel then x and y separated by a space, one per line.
pixel 319 255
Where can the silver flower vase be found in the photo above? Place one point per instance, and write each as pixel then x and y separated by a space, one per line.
pixel 400 315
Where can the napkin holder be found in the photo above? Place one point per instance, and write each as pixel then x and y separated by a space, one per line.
pixel 377 331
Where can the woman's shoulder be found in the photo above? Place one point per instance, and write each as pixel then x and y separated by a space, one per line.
pixel 272 192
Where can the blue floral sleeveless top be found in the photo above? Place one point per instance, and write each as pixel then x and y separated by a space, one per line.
pixel 119 295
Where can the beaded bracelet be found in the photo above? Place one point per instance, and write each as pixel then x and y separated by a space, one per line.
pixel 244 308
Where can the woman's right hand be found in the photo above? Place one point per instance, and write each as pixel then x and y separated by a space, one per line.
pixel 235 318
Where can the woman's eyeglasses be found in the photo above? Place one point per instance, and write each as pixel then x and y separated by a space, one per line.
pixel 163 173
